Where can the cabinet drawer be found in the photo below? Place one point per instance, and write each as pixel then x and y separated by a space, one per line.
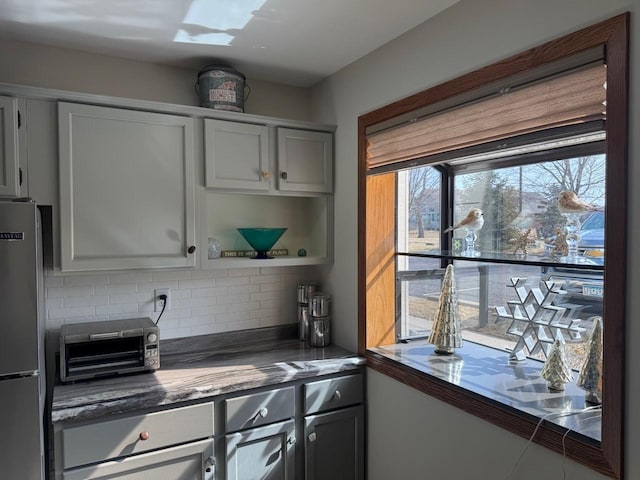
pixel 193 461
pixel 332 393
pixel 101 441
pixel 259 408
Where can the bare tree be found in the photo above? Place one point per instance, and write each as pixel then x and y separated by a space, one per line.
pixel 424 186
pixel 583 175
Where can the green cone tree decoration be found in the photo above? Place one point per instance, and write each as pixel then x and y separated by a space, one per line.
pixel 556 370
pixel 590 378
pixel 445 333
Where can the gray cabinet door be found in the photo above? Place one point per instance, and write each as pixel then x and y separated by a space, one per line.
pixel 264 453
pixel 236 155
pixel 334 445
pixel 127 189
pixel 9 186
pixel 305 161
pixel 192 461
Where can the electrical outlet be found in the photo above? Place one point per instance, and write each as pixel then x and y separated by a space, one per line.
pixel 158 300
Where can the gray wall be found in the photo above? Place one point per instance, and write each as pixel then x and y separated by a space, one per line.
pixel 64 69
pixel 412 435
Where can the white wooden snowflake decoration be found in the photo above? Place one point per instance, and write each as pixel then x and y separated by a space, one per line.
pixel 536 320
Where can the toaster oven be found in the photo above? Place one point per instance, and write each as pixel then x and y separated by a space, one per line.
pixel 96 349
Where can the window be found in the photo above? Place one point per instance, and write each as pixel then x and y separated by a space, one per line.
pixel 458 146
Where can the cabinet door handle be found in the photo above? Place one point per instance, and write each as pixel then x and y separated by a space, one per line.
pixel 265 175
pixel 312 437
pixel 191 249
pixel 144 436
pixel 337 395
pixel 283 175
pixel 209 469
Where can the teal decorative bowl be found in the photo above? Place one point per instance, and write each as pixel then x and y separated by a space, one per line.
pixel 262 239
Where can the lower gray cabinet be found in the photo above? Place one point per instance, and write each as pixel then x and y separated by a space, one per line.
pixel 334 445
pixel 193 461
pixel 262 453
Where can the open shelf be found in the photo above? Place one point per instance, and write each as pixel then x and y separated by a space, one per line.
pixel 307 220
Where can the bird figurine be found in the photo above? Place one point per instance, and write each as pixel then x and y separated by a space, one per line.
pixel 568 202
pixel 473 221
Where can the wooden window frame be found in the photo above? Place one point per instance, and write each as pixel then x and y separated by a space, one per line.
pixel 376 249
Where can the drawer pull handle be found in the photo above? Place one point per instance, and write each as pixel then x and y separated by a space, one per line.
pixel 337 395
pixel 144 436
pixel 312 437
pixel 262 413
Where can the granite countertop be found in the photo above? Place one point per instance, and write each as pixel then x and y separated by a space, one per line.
pixel 489 373
pixel 196 368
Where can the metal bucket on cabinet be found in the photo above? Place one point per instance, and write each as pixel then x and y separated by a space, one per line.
pixel 221 87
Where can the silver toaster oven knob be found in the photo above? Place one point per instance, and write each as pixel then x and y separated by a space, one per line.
pixel 152 337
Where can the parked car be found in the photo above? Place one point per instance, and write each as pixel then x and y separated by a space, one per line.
pixel 583 286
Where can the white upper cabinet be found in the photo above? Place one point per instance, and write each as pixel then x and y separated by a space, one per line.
pixel 305 161
pixel 236 155
pixel 126 189
pixel 240 156
pixel 9 183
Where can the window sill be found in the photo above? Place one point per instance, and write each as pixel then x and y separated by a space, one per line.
pixel 481 381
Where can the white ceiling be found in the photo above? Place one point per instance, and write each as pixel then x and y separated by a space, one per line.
pixel 296 42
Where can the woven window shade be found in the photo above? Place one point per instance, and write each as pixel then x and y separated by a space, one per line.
pixel 573 98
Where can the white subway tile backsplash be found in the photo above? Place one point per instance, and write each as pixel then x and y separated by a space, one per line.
pixel 85 301
pixel 209 329
pixel 208 292
pixel 200 274
pixel 171 275
pixel 208 310
pixel 129 278
pixel 53 282
pixel 167 333
pixel 117 309
pixel 180 293
pixel 266 279
pixel 195 302
pixel 231 299
pixel 203 301
pixel 243 289
pixel 85 280
pixel 73 312
pixel 150 287
pixel 264 296
pixel 243 272
pixel 131 298
pixel 232 281
pixel 69 292
pixel 242 325
pixel 243 307
pixel 233 317
pixel 270 287
pixel 115 289
pixel 197 321
pixel 200 283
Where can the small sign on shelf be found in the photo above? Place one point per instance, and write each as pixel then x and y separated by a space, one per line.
pixel 278 252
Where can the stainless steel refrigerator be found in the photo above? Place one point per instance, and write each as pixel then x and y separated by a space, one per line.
pixel 22 383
